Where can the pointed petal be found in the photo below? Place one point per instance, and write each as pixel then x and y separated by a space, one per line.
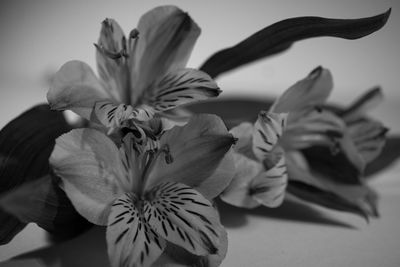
pixel 75 87
pixel 220 179
pixel 168 121
pixel 280 36
pixel 184 217
pixel 244 135
pixel 166 38
pixel 91 170
pixel 181 87
pixel 196 148
pixel 176 256
pixel 305 95
pixel 238 191
pixel 111 64
pixel 268 130
pixel 361 105
pixel 318 127
pixel 131 241
pixel 268 188
pixel 368 137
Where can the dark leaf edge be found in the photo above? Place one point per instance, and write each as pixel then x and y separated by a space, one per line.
pixel 280 36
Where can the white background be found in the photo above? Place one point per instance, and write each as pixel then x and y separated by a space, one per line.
pixel 37 37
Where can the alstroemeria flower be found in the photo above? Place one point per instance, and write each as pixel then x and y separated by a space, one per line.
pixel 141 75
pixel 261 175
pixel 326 153
pixel 150 198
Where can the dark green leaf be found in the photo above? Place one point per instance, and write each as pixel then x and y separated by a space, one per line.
pixel 280 36
pixel 42 201
pixel 25 146
pixel 325 198
pixel 9 227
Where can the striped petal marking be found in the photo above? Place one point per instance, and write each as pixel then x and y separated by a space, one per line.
pixel 130 239
pixel 267 130
pixel 268 188
pixel 138 228
pixel 184 217
pixel 114 115
pixel 181 87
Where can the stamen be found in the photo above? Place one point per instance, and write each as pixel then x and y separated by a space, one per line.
pixel 168 157
pixel 134 34
pixel 112 55
pixel 150 158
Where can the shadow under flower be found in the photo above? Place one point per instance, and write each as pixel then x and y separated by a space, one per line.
pixel 234 217
pixel 88 249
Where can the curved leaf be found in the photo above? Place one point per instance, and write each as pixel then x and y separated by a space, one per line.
pixel 25 147
pixel 279 36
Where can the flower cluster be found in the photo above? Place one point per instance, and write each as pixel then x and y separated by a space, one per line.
pixel 150 170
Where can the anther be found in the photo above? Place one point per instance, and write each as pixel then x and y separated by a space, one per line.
pixel 134 34
pixel 168 157
pixel 110 54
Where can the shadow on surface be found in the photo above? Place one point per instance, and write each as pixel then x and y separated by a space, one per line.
pixel 89 249
pixel 233 217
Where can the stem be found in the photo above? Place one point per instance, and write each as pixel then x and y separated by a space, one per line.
pixel 150 161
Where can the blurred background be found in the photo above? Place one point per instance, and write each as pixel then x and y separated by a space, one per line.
pixel 37 37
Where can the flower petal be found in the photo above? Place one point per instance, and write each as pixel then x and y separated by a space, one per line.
pixel 91 170
pixel 268 188
pixel 76 87
pixel 238 191
pixel 368 137
pixel 360 106
pixel 184 217
pixel 305 95
pixel 196 150
pixel 268 130
pixel 116 116
pixel 342 163
pixel 220 179
pixel 111 64
pixel 131 241
pixel 176 256
pixel 181 87
pixel 318 127
pixel 166 38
